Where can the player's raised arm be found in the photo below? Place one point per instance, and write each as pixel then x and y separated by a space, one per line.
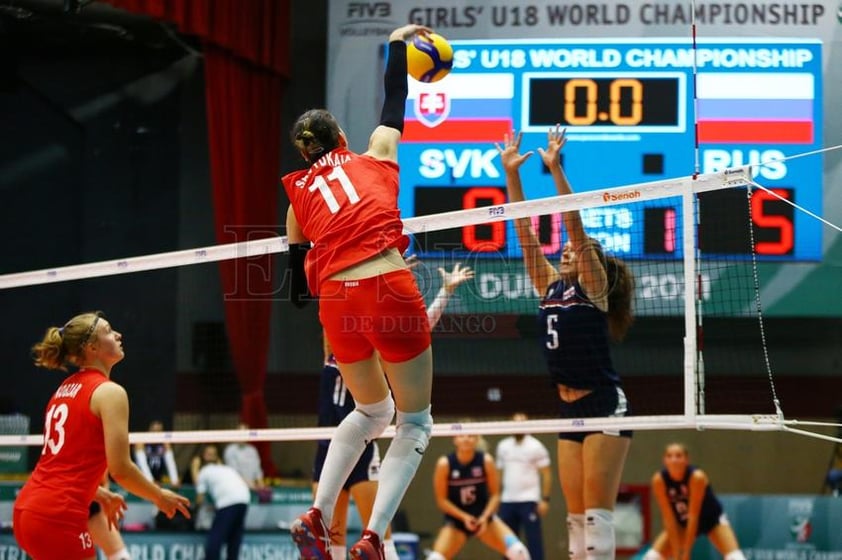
pixel 541 271
pixel 383 143
pixel 592 275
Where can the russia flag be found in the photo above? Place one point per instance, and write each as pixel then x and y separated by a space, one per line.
pixel 756 108
pixel 460 108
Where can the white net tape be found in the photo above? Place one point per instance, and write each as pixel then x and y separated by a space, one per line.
pixel 593 199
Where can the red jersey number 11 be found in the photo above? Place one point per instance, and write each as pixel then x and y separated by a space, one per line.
pixel 338 174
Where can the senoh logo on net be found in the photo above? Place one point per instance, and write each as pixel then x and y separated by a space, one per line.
pixel 619 197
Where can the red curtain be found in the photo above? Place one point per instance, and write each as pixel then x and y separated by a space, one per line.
pixel 255 30
pixel 246 52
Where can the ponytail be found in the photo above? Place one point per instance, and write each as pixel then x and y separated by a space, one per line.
pixel 620 296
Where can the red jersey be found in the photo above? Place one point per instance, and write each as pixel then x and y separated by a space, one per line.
pixel 347 205
pixel 72 461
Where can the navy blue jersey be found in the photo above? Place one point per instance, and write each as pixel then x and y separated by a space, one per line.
pixel 467 484
pixel 155 459
pixel 574 337
pixel 678 494
pixel 335 400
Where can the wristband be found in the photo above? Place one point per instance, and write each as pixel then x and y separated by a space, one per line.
pixel 299 295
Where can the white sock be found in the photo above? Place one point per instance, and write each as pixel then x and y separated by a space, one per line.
pixel 121 554
pixel 364 424
pixel 517 551
pixel 400 465
pixel 653 554
pixel 389 550
pixel 338 551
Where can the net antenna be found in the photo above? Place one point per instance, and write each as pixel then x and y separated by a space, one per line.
pixel 694 385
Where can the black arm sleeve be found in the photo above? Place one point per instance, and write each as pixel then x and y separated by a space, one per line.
pixel 396 87
pixel 299 295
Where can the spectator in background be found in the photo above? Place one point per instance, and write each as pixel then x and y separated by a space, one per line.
pixel 244 458
pixel 156 460
pixel 230 496
pixel 527 481
pixel 203 513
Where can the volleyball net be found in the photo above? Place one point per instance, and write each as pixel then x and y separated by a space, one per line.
pixel 695 357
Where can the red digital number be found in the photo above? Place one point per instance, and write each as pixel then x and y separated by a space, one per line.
pixel 471 199
pixel 785 227
pixel 554 245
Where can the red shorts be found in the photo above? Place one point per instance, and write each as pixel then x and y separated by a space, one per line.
pixel 384 313
pixel 48 538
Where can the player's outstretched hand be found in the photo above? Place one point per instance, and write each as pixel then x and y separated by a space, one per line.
pixel 407 31
pixel 510 155
pixel 170 503
pixel 555 142
pixel 412 261
pixel 113 506
pixel 459 274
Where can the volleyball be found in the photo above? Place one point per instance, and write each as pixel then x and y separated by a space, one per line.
pixel 429 58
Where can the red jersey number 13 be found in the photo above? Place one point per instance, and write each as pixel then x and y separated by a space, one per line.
pixel 54 428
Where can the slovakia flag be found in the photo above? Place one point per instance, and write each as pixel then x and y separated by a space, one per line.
pixel 460 108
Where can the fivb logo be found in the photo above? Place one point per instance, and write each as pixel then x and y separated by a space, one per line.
pixel 621 196
pixel 365 10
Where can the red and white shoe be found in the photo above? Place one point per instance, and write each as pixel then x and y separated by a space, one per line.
pixel 368 547
pixel 311 536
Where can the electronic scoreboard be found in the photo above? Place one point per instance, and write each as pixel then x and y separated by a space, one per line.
pixel 630 115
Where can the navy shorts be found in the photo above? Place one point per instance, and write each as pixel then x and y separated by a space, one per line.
pixel 460 526
pixel 604 401
pixel 367 468
pixel 707 523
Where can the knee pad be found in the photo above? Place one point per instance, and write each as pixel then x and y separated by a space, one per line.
pixel 373 418
pixel 435 556
pixel 652 554
pixel 599 533
pixel 415 426
pixel 516 551
pixel 735 555
pixel 576 536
